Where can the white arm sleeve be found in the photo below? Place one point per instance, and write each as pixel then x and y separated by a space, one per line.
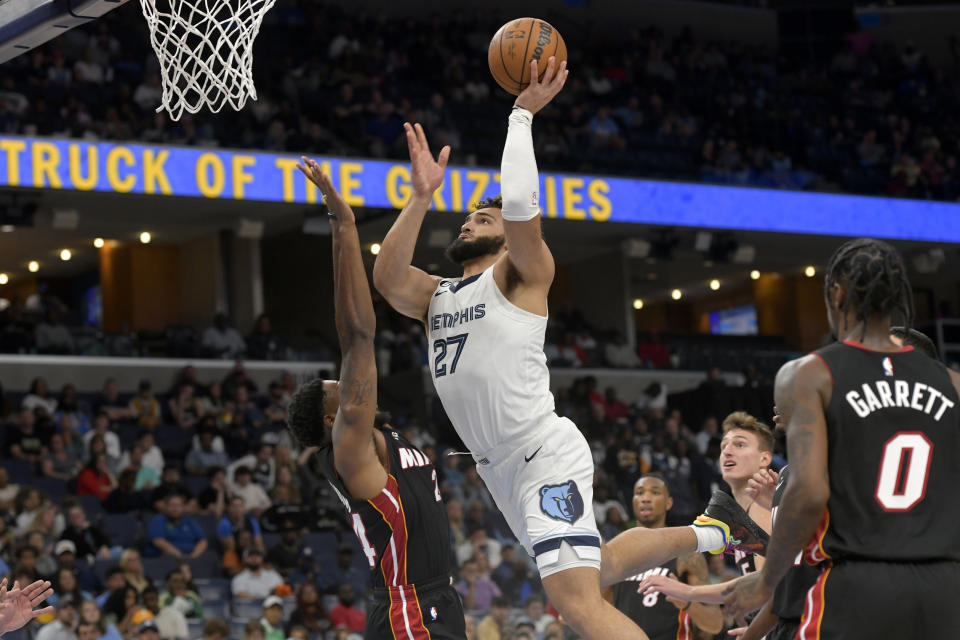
pixel 519 179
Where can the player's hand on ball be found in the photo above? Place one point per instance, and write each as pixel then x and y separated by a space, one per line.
pixel 335 202
pixel 540 92
pixel 761 487
pixel 746 595
pixel 426 173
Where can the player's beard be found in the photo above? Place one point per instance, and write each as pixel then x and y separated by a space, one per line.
pixel 461 251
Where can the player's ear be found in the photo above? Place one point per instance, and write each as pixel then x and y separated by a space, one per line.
pixel 765 458
pixel 669 503
pixel 837 294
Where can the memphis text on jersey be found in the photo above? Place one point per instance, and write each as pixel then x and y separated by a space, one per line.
pixel 910 395
pixel 450 320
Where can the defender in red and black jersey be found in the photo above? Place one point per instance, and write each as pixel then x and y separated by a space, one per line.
pixel 873 438
pixel 387 486
pixel 660 616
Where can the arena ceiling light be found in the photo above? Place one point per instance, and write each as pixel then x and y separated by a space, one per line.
pixel 714 284
pixel 98 243
pixel 33 266
pixel 375 248
pixel 637 304
pixel 4 278
pixel 65 255
pixel 145 237
pixel 754 275
pixel 676 294
pixel 810 271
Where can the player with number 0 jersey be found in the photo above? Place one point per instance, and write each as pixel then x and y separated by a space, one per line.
pixel 388 488
pixel 873 439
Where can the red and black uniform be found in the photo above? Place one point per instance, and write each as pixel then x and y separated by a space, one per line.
pixel 889 541
pixel 652 613
pixel 788 597
pixel 405 536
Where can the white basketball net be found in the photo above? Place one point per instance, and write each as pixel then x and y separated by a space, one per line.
pixel 205 49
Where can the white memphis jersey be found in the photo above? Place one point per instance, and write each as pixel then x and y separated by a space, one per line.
pixel 487 362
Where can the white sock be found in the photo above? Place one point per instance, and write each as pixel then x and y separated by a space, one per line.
pixel 709 537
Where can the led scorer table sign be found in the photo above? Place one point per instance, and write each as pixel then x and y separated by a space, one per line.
pixel 163 170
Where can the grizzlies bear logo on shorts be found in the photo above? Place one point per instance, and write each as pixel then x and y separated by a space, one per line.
pixel 562 501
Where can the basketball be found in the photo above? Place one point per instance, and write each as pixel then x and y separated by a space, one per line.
pixel 518 42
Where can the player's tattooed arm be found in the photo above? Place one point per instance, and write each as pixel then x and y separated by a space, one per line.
pixel 801 392
pixel 707 617
pixel 353 441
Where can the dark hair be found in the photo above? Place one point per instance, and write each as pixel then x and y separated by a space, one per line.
pixel 654 474
pixel 489 203
pixel 917 340
pixel 500 601
pixel 746 422
pixel 242 470
pixel 114 570
pixel 875 278
pixel 534 597
pixel 305 413
pixel 216 626
pixel 149 589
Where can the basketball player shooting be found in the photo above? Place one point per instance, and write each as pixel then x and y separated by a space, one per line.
pixel 387 486
pixel 872 439
pixel 486 332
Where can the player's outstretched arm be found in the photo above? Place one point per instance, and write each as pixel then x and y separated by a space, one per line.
pixel 520 181
pixel 353 440
pixel 761 625
pixel 707 617
pixel 406 288
pixel 18 606
pixel 801 392
pixel 673 588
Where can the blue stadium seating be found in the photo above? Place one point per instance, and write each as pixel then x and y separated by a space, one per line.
pixel 208 522
pixel 196 484
pixel 91 506
pixel 158 568
pixel 247 608
pixel 206 566
pixel 123 529
pixel 54 488
pixel 213 589
pixel 18 471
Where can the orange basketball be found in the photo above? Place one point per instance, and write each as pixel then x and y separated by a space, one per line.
pixel 517 43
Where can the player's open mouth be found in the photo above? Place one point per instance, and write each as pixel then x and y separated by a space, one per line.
pixel 645 512
pixel 729 464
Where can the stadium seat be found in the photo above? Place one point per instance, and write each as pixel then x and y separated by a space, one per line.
pixel 271 540
pixel 195 627
pixel 213 589
pixel 247 608
pixel 91 506
pixel 123 529
pixel 206 566
pixel 236 626
pixel 18 471
pixel 54 488
pixel 158 568
pixel 208 522
pixel 173 440
pixel 196 484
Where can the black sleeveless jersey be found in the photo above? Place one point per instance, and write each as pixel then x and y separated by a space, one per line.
pixel 404 531
pixel 893 428
pixel 652 613
pixel 788 597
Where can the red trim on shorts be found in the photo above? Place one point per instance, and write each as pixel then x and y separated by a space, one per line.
pixel 813 609
pixel 683 626
pixel 814 551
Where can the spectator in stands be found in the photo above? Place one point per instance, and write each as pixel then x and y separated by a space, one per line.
pixel 144 408
pixel 39 400
pixel 285 489
pixel 27 504
pixel 708 432
pixel 272 620
pixel 621 355
pixel 614 409
pixel 96 479
pixel 180 597
pixel 52 336
pixel 173 533
pixel 185 406
pixel 8 491
pixel 216 629
pixel 309 612
pixel 222 341
pixel 109 402
pixel 262 466
pixel 254 581
pixel 122 608
pixel 346 613
pixel 202 459
pixel 565 354
pixel 213 404
pixel 534 608
pixel 125 498
pixel 254 497
pixel 235 521
pixel 232 561
pixel 65 585
pixel 242 404
pixel 306 570
pixel 90 542
pixel 214 498
pixel 46 564
pixel 263 343
pixel 27 564
pixel 59 463
pixel 152 456
pixel 653 351
pixel 276 407
pixel 653 397
pixel 494 625
pixel 343 572
pixel 149 630
pixel 478 592
pixel 91 615
pixel 111 441
pixel 27 442
pixel 133 572
pixel 171 624
pixel 253 631
pixel 479 542
pixel 113 580
pixel 88 630
pixel 516 575
pixel 238 378
pixel 170 485
pixel 602 502
pixel 64 626
pixel 147 477
pixel 68 416
pixel 285 555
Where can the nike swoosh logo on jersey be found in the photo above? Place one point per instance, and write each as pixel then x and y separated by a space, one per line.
pixel 526 459
pixel 438 293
